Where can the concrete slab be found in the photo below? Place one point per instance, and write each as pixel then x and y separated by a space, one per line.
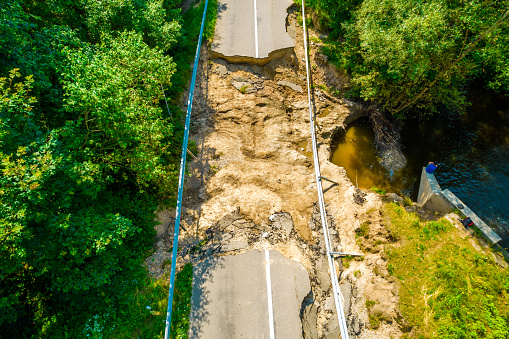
pixel 293 86
pixel 230 297
pixel 251 30
pixel 488 233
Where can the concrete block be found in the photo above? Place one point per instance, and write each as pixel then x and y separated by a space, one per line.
pixel 430 194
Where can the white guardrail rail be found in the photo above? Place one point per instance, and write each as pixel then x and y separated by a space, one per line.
pixel 332 268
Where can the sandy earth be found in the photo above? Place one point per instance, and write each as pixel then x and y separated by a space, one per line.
pixel 252 186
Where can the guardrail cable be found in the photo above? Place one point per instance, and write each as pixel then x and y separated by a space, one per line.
pixel 181 177
pixel 332 268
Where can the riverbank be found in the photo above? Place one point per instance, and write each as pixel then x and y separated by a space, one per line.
pixel 450 285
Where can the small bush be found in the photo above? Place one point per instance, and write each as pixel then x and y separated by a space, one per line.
pixel 378 190
pixel 370 303
pixel 363 231
pixel 346 261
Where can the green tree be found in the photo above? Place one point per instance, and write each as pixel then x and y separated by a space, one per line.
pixel 68 242
pixel 86 154
pixel 157 20
pixel 419 54
pixel 114 90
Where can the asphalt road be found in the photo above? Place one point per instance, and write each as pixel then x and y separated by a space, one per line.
pixel 251 28
pixel 243 297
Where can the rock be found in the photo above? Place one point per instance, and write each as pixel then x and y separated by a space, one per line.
pixel 392 159
pixel 227 220
pixel 299 104
pixel 222 70
pixel 233 246
pixel 410 209
pixel 242 224
pixel 244 87
pixel 356 325
pixel 332 331
pixel 346 291
pixel 330 304
pixel 393 197
pixel 226 237
pixel 309 316
pixel 250 90
pixel 322 272
pixel 239 78
pixel 321 57
pixel 283 221
pixel 359 197
pixel 293 86
pixel 292 31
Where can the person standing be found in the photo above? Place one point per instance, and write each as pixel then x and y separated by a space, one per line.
pixel 431 167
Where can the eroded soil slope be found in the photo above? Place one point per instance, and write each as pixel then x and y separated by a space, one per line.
pixel 252 186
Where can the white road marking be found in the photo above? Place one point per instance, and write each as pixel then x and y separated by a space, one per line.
pixel 269 295
pixel 256 29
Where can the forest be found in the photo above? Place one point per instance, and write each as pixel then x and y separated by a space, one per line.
pixel 88 151
pixel 416 58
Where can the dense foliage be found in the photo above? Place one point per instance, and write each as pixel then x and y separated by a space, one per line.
pixel 86 153
pixel 418 56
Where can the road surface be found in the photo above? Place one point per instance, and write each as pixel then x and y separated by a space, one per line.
pixel 242 297
pixel 251 30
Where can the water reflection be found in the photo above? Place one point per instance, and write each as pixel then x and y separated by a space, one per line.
pixel 472 150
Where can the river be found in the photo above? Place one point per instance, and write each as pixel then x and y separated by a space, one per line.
pixel 472 151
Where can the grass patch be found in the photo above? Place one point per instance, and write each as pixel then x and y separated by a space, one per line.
pixel 315 39
pixel 346 261
pixel 370 303
pixel 448 289
pixel 378 190
pixel 145 313
pixel 407 201
pixel 363 231
pixel 458 212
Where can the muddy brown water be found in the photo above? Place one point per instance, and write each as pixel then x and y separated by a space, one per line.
pixel 472 151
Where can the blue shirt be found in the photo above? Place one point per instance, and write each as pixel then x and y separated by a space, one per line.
pixel 431 168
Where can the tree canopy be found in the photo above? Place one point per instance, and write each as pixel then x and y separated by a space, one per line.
pixel 417 56
pixel 86 153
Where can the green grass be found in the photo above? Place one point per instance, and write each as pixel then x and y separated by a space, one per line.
pixel 144 316
pixel 363 230
pixel 407 201
pixel 346 261
pixel 378 190
pixel 448 289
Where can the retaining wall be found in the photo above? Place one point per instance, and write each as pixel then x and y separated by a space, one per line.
pixel 432 197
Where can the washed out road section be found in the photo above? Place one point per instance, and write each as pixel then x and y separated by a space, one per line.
pixel 251 30
pixel 230 297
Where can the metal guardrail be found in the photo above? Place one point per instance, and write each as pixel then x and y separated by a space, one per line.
pixel 181 177
pixel 332 268
pixel 318 178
